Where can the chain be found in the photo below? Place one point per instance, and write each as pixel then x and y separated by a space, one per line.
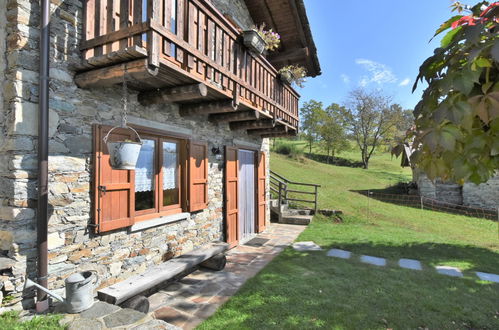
pixel 124 100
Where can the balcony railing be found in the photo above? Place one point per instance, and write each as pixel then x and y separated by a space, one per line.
pixel 194 40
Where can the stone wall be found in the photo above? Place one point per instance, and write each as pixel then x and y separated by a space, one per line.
pixel 485 195
pixel 72 246
pixel 237 10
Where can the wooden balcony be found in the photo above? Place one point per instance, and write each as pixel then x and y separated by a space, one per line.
pixel 185 51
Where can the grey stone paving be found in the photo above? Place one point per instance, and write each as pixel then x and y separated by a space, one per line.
pixel 99 309
pixel 449 271
pixel 410 264
pixel 337 253
pixel 306 246
pixel 376 261
pixel 488 277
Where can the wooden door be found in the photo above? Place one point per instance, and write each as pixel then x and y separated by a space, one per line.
pixel 261 192
pixel 231 195
pixel 113 189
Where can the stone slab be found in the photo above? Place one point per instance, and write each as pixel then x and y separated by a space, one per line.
pixel 99 309
pixel 123 317
pixel 156 325
pixel 85 324
pixel 306 246
pixel 337 253
pixel 410 264
pixel 373 260
pixel 488 277
pixel 449 271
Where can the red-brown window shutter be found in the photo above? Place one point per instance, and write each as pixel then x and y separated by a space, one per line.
pixel 261 192
pixel 231 195
pixel 198 176
pixel 113 189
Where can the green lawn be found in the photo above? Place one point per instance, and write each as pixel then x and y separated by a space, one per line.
pixel 309 290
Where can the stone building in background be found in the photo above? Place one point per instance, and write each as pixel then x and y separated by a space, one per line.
pixel 199 99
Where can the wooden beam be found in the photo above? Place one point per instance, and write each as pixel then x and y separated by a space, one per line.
pixel 174 94
pixel 274 135
pixel 207 108
pixel 235 116
pixel 252 124
pixel 112 75
pixel 277 129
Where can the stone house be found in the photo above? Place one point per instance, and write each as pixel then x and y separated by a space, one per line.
pixel 484 195
pixel 203 104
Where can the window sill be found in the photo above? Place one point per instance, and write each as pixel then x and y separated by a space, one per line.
pixel 159 221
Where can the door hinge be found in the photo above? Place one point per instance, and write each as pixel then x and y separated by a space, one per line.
pixel 102 189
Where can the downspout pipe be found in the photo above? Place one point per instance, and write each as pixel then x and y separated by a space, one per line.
pixel 43 143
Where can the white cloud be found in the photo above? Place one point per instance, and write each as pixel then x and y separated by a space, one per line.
pixel 378 73
pixel 405 82
pixel 345 78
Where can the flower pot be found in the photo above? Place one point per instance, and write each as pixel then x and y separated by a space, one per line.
pixel 123 155
pixel 286 77
pixel 254 41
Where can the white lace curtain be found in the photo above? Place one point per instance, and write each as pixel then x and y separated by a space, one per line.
pixel 144 170
pixel 169 165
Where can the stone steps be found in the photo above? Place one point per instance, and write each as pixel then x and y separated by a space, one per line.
pixel 290 216
pixel 292 219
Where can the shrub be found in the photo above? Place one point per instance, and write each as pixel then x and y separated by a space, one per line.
pixel 289 149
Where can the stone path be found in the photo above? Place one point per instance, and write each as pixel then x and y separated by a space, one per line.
pixel 196 297
pixel 403 263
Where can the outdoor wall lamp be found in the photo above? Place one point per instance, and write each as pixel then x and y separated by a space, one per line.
pixel 216 151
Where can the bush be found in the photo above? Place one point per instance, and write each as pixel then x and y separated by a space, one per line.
pixel 11 321
pixel 289 149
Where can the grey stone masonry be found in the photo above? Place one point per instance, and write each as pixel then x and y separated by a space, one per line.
pixel 237 10
pixel 72 245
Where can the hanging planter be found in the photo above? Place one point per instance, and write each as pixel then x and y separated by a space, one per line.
pixel 286 77
pixel 123 155
pixel 254 41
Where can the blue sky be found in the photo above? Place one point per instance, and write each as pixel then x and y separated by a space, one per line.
pixel 376 44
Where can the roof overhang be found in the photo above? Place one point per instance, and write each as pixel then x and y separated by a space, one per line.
pixel 289 19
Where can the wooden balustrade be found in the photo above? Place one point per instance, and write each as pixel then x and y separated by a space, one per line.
pixel 192 36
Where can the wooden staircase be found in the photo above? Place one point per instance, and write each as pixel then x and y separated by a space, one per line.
pixel 286 191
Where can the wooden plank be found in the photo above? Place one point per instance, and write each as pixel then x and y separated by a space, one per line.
pixel 167 23
pixel 153 38
pixel 180 29
pixel 121 34
pixel 277 129
pixel 235 116
pixel 108 76
pixel 119 292
pixel 192 32
pixel 137 19
pixel 207 108
pixel 251 124
pixel 88 27
pixel 174 94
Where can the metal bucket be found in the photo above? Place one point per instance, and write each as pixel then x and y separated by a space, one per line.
pixel 80 291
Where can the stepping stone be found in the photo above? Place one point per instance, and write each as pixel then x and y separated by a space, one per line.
pixel 410 264
pixel 123 317
pixel 449 271
pixel 337 253
pixel 306 246
pixel 488 277
pixel 373 260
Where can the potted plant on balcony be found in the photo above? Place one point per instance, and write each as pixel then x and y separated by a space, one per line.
pixel 293 74
pixel 254 41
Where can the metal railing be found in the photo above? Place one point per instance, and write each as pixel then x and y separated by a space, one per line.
pixel 280 186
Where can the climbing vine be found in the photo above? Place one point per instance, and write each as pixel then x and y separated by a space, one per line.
pixel 457 119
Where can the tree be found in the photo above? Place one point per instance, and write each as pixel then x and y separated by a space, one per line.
pixel 310 114
pixel 332 129
pixel 370 116
pixel 457 119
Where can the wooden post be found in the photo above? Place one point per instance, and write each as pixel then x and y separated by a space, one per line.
pixel 279 198
pixel 153 38
pixel 315 201
pixel 421 197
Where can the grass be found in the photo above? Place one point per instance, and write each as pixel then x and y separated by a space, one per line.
pixel 11 321
pixel 300 290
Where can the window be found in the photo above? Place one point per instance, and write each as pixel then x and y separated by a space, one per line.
pixel 170 177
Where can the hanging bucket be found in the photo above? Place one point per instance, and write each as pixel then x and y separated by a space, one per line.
pixel 123 155
pixel 80 291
